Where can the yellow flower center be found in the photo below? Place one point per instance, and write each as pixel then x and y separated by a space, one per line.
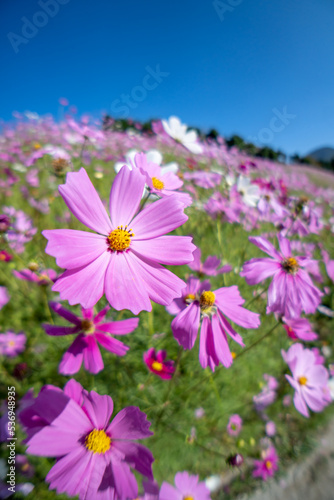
pixel 2 256
pixel 37 145
pixel 98 441
pixel 233 354
pixel 290 265
pixel 189 298
pixel 268 464
pixel 87 326
pixel 119 239
pixel 157 366
pixel 157 183
pixel 187 497
pixel 11 343
pixel 206 301
pixel 302 380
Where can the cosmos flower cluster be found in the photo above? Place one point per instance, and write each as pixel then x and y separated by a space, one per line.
pixel 118 258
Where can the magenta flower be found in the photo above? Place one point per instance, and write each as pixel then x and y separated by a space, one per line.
pixel 93 456
pixel 45 277
pixel 299 328
pixel 187 487
pixel 213 308
pixel 123 259
pixel 90 331
pixel 210 265
pixel 291 290
pixel 267 466
pixel 12 344
pixel 234 425
pixel 156 363
pixel 5 256
pixel 309 379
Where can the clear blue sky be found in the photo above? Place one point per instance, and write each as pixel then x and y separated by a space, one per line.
pixel 229 71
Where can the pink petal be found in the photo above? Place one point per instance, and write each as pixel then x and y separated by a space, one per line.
pixel 91 356
pixel 98 408
pixel 113 345
pixel 185 325
pixel 65 313
pixel 169 250
pixel 159 218
pixel 119 327
pixel 130 423
pixel 284 245
pixel 83 201
pixel 72 359
pixel 125 196
pixel 124 287
pixel 84 285
pixel 265 246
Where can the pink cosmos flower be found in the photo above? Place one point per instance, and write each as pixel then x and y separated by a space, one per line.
pixel 267 466
pixel 156 363
pixel 309 379
pixel 299 328
pixel 186 487
pixel 210 265
pixel 213 308
pixel 123 259
pixel 12 344
pixel 93 456
pixel 45 277
pixel 270 428
pixel 291 290
pixel 234 425
pixel 90 331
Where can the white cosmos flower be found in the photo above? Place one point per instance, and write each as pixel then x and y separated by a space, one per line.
pixel 178 131
pixel 250 192
pixel 153 156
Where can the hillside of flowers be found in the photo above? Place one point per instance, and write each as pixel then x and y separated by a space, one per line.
pixel 166 312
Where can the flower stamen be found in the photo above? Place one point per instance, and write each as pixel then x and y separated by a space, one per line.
pixel 302 380
pixel 206 301
pixel 157 183
pixel 157 366
pixel 119 239
pixel 98 441
pixel 290 265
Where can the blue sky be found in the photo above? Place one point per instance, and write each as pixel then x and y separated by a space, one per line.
pixel 259 68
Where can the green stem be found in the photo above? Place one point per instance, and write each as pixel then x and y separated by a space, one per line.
pixel 169 387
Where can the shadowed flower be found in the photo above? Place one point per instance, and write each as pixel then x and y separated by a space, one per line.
pixel 123 259
pixel 45 277
pixel 93 456
pixel 299 328
pixel 90 331
pixel 156 363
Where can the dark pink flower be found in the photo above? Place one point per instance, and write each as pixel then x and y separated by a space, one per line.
pixel 299 328
pixel 156 363
pixel 267 466
pixel 90 331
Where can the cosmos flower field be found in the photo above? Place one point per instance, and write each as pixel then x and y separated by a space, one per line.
pixel 166 312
